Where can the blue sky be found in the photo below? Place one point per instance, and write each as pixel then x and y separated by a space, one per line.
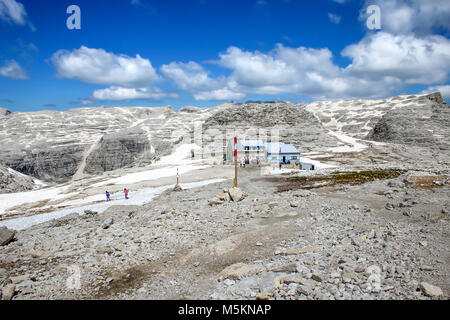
pixel 205 52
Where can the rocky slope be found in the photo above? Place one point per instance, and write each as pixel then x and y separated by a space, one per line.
pixel 54 146
pixel 358 117
pixel 386 239
pixel 60 146
pixel 425 124
pixel 12 181
pixel 293 123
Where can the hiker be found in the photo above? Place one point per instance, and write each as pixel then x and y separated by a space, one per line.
pixel 107 196
pixel 125 191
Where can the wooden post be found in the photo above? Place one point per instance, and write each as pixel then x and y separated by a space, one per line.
pixel 235 162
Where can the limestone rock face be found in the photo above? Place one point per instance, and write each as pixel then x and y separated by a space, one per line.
pixel 54 146
pixel 294 123
pixel 117 150
pixel 59 146
pixel 358 117
pixel 45 162
pixel 423 124
pixel 12 181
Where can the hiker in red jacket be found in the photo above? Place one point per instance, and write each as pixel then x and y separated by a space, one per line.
pixel 126 193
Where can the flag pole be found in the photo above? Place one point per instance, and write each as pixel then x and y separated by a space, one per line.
pixel 235 162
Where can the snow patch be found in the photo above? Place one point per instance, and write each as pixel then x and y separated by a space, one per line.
pixel 138 197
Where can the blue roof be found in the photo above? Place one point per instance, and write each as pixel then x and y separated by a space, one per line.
pixel 251 143
pixel 280 147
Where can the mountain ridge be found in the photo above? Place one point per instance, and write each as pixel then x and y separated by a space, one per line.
pixel 54 145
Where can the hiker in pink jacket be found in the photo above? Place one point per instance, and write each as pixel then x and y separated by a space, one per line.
pixel 125 191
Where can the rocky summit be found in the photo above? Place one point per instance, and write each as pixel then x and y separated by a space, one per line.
pixel 138 203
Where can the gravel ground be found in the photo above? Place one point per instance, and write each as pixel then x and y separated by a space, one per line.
pixel 386 239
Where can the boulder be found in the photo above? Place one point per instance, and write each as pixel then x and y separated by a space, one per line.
pixel 317 277
pixel 298 279
pixel 8 291
pixel 214 202
pixel 430 290
pixel 289 267
pixel 238 271
pixel 220 196
pixel 177 188
pixel 6 236
pixel 108 223
pixel 236 194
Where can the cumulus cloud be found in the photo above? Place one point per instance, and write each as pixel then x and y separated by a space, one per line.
pixel 406 57
pixel 188 76
pixel 97 66
pixel 120 93
pixel 380 64
pixel 300 70
pixel 412 16
pixel 13 70
pixel 193 78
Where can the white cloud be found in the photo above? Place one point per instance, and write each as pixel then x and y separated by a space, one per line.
pixel 13 12
pixel 119 93
pixel 334 18
pixel 219 94
pixel 406 57
pixel 100 67
pixel 13 70
pixel 256 69
pixel 193 78
pixel 285 70
pixel 444 90
pixel 188 76
pixel 380 64
pixel 417 16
